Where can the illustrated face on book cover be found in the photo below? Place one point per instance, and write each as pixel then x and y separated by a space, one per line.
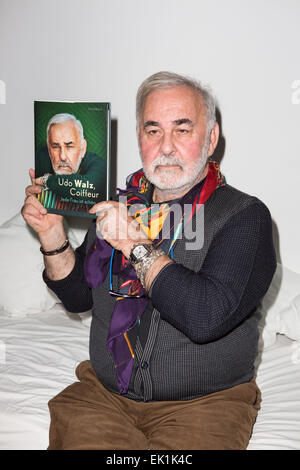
pixel 66 147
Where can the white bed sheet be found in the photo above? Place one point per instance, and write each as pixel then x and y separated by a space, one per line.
pixel 278 375
pixel 39 354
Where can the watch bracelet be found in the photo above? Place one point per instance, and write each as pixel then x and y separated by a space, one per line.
pixel 45 180
pixel 142 267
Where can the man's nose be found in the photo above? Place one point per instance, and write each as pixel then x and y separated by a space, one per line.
pixel 63 155
pixel 167 144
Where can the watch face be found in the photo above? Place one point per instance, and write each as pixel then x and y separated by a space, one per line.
pixel 139 251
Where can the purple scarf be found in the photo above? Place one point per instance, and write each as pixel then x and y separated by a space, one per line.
pixel 126 312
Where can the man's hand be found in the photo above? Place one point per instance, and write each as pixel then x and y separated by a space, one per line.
pixel 49 227
pixel 117 227
pixel 50 230
pixel 122 232
pixel 39 181
pixel 33 211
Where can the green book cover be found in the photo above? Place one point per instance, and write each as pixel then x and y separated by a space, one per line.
pixel 72 155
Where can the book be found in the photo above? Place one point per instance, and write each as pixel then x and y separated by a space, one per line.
pixel 72 155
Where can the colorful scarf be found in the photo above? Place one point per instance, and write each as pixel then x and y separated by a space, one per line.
pixel 98 263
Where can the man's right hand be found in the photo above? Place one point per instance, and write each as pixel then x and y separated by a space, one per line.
pixel 49 227
pixel 35 214
pixel 50 230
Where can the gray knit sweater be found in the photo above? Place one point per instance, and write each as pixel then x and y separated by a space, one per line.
pixel 199 333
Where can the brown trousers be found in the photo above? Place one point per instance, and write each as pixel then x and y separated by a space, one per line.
pixel 86 416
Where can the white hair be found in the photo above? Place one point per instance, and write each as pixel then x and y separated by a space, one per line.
pixel 162 80
pixel 65 117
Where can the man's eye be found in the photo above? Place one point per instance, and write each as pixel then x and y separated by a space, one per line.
pixel 182 131
pixel 153 132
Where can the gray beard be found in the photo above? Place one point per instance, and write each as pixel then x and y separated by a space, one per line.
pixel 165 180
pixel 57 172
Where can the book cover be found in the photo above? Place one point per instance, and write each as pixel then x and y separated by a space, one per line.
pixel 72 155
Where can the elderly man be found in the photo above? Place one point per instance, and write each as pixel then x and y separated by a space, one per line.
pixel 66 147
pixel 174 331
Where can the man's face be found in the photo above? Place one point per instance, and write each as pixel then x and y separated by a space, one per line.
pixel 172 137
pixel 65 147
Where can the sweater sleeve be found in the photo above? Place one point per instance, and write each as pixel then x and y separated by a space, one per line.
pixel 235 275
pixel 73 290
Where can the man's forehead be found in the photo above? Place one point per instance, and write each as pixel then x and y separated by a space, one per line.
pixel 67 127
pixel 184 102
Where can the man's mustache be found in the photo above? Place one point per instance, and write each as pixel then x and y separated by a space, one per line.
pixel 64 164
pixel 166 160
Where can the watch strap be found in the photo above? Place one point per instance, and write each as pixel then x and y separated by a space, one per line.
pixel 142 267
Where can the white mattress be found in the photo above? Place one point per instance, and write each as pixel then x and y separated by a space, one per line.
pixel 39 354
pixel 42 352
pixel 278 375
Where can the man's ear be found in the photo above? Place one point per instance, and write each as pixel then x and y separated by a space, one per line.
pixel 214 138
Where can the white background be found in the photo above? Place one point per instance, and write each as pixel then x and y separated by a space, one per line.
pixel 101 50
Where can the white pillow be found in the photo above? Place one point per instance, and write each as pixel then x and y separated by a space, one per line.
pixel 267 336
pixel 281 306
pixel 77 229
pixel 22 289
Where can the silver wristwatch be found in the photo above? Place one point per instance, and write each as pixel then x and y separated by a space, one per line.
pixel 142 257
pixel 139 252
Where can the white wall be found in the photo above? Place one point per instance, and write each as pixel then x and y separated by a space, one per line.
pixel 247 50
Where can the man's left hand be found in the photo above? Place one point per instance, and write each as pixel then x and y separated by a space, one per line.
pixel 117 227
